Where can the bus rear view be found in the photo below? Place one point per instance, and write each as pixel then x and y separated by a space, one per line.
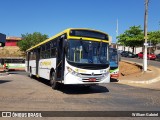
pixel 114 63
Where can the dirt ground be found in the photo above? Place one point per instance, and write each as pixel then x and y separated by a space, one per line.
pixel 132 71
pixel 127 69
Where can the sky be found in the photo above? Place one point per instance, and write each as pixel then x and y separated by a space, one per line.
pixel 53 16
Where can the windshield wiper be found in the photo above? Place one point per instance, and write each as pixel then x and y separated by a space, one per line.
pixel 81 41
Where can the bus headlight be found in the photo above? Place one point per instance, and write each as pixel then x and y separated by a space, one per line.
pixel 106 73
pixel 72 72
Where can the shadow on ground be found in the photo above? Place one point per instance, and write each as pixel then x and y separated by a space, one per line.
pixel 76 89
pixel 16 71
pixel 4 81
pixel 80 89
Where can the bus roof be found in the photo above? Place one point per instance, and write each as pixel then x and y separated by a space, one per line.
pixel 61 33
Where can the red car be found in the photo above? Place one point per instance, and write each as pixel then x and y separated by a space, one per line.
pixel 150 56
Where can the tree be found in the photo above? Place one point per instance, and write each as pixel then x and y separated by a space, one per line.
pixel 29 40
pixel 154 37
pixel 132 37
pixel 122 40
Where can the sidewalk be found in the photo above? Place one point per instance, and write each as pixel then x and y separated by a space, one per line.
pixel 149 79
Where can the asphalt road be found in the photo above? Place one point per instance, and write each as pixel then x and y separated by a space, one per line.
pixel 20 93
pixel 149 62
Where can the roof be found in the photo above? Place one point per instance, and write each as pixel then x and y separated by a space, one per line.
pixel 14 38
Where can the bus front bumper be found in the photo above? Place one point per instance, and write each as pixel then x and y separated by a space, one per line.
pixel 115 76
pixel 72 79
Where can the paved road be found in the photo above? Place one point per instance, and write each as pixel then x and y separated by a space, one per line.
pixel 150 62
pixel 19 92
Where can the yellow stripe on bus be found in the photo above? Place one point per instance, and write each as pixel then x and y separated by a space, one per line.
pixel 70 37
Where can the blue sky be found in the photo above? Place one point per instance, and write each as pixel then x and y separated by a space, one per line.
pixel 53 16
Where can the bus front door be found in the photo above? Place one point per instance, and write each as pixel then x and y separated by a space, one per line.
pixel 60 60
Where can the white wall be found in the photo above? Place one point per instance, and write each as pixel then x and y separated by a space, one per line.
pixel 157 51
pixel 136 49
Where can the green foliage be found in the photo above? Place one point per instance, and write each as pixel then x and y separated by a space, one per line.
pixel 122 39
pixel 30 40
pixel 154 36
pixel 132 37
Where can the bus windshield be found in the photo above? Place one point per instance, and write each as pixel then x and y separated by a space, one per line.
pixel 87 52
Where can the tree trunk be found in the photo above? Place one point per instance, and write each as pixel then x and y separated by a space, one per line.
pixel 133 49
pixel 124 48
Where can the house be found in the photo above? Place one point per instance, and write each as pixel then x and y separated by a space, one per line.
pixel 12 41
pixel 11 49
pixel 157 51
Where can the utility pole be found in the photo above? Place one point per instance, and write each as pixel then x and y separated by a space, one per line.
pixel 145 37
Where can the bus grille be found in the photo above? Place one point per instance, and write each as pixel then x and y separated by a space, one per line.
pixel 90 74
pixel 91 77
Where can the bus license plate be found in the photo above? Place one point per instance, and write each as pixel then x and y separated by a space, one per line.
pixel 92 79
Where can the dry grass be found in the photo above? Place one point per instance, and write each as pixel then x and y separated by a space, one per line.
pixel 10 52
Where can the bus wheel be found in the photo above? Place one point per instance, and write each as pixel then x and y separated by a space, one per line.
pixel 30 73
pixel 53 82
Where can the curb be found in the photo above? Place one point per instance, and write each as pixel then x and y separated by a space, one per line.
pixel 4 73
pixel 156 79
pixel 146 82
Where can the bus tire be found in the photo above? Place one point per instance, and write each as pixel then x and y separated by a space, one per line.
pixel 53 82
pixel 30 73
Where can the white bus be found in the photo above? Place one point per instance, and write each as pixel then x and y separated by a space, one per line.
pixel 74 56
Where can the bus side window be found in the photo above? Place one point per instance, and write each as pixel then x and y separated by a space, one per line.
pixel 1 61
pixel 48 50
pixel 33 55
pixel 30 58
pixel 53 48
pixel 8 61
pixel 42 53
pixel 23 61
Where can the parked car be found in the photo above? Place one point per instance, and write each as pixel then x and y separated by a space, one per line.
pixel 128 54
pixel 158 56
pixel 120 51
pixel 150 56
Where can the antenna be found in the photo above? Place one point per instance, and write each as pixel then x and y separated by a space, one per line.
pixel 117 29
pixel 117 34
